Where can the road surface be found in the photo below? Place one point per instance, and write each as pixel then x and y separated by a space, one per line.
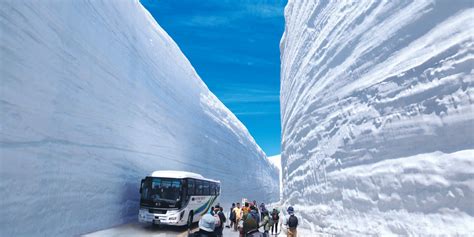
pixel 139 229
pixel 146 230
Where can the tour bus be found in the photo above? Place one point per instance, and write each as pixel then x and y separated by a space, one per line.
pixel 176 197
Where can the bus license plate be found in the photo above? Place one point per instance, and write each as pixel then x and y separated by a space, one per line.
pixel 156 222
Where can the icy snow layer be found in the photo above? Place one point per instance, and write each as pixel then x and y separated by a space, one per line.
pixel 369 91
pixel 276 161
pixel 94 96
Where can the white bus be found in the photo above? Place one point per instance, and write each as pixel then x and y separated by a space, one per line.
pixel 176 197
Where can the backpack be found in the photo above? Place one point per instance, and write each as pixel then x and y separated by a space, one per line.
pixel 250 224
pixel 217 221
pixel 275 216
pixel 222 218
pixel 292 221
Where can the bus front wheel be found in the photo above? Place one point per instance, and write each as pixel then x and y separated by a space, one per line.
pixel 190 219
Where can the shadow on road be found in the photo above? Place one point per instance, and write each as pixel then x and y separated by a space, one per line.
pixel 166 228
pixel 139 229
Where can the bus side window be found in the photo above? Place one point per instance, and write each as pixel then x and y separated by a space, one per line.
pixel 213 188
pixel 199 187
pixel 185 194
pixel 191 187
pixel 218 188
pixel 206 188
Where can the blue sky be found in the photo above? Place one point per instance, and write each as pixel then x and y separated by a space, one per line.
pixel 234 47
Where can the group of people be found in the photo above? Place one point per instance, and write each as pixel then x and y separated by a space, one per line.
pixel 247 220
pixel 211 224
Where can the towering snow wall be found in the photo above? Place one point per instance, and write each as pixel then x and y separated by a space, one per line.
pixel 95 96
pixel 378 116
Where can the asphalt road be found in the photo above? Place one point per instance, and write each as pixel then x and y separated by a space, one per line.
pixel 139 229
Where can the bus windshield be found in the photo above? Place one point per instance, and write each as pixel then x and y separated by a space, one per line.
pixel 162 190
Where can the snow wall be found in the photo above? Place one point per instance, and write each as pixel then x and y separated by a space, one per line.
pixel 378 116
pixel 95 96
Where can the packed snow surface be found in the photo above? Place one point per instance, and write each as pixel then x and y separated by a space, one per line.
pixel 94 96
pixel 378 116
pixel 276 161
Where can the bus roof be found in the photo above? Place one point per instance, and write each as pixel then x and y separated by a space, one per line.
pixel 179 175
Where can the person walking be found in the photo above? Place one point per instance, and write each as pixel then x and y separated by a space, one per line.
pixel 206 227
pixel 291 222
pixel 275 217
pixel 267 222
pixel 232 216
pixel 254 204
pixel 217 221
pixel 245 210
pixel 238 215
pixel 218 229
pixel 262 209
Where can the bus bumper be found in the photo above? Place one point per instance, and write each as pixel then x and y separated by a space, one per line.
pixel 162 219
